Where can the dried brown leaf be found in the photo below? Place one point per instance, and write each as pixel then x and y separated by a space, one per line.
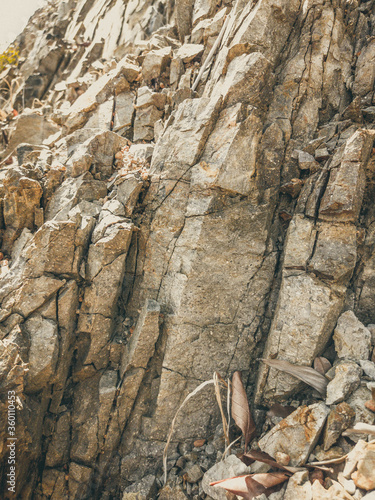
pixel 322 365
pixel 278 410
pixel 252 485
pixel 252 455
pixel 240 409
pixel 304 373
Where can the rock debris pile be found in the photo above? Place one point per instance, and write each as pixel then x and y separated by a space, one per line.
pixel 186 187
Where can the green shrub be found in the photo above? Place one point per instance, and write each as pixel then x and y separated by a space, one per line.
pixel 9 57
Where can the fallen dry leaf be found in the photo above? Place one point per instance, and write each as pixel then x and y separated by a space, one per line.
pixel 322 365
pixel 240 409
pixel 256 455
pixel 278 410
pixel 360 428
pixel 304 373
pixel 252 485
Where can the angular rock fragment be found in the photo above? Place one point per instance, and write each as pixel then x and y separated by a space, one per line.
pixel 155 63
pixel 352 338
pixel 189 51
pixel 32 128
pixel 364 476
pixel 299 486
pixel 342 199
pixel 346 380
pixel 297 434
pixel 341 417
pixel 307 162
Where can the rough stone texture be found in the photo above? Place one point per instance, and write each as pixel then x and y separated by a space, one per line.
pixel 252 230
pixel 346 380
pixel 297 434
pixel 229 467
pixel 352 338
pixel 364 476
pixel 340 418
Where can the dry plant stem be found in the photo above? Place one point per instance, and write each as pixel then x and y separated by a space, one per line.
pixel 229 447
pixel 360 428
pixel 189 396
pixel 223 418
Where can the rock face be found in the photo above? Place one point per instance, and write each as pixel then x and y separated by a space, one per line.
pixel 155 230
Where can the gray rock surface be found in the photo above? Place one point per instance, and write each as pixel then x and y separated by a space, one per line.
pixel 152 235
pixel 346 380
pixel 297 434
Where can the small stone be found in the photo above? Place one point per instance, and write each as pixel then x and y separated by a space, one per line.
pixel 370 405
pixel 322 154
pixel 332 453
pixel 369 496
pixel 299 486
pixel 210 450
pixel 194 474
pixel 293 187
pixel 341 417
pixel 199 442
pixel 282 458
pixel 368 367
pixel 307 162
pixel 347 484
pixel 172 492
pixel 352 339
pixel 181 463
pixel 347 379
pixel 189 51
pixel 353 458
pixel 364 476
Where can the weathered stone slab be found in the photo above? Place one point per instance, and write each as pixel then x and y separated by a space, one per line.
pixel 142 343
pixel 44 348
pixel 306 313
pixel 297 434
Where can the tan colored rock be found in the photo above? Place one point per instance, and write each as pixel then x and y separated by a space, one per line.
pixel 352 338
pixel 299 487
pixel 342 199
pixel 364 476
pixel 335 252
pixel 142 343
pixel 43 352
pixel 347 378
pixel 297 434
pixel 31 127
pixel 189 51
pixel 155 63
pixel 306 313
pixel 340 418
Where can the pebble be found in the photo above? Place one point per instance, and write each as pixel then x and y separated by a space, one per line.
pixel 194 474
pixel 368 367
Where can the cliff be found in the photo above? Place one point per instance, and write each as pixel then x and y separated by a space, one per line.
pixel 186 187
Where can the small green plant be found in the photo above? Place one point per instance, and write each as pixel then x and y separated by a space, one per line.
pixel 9 57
